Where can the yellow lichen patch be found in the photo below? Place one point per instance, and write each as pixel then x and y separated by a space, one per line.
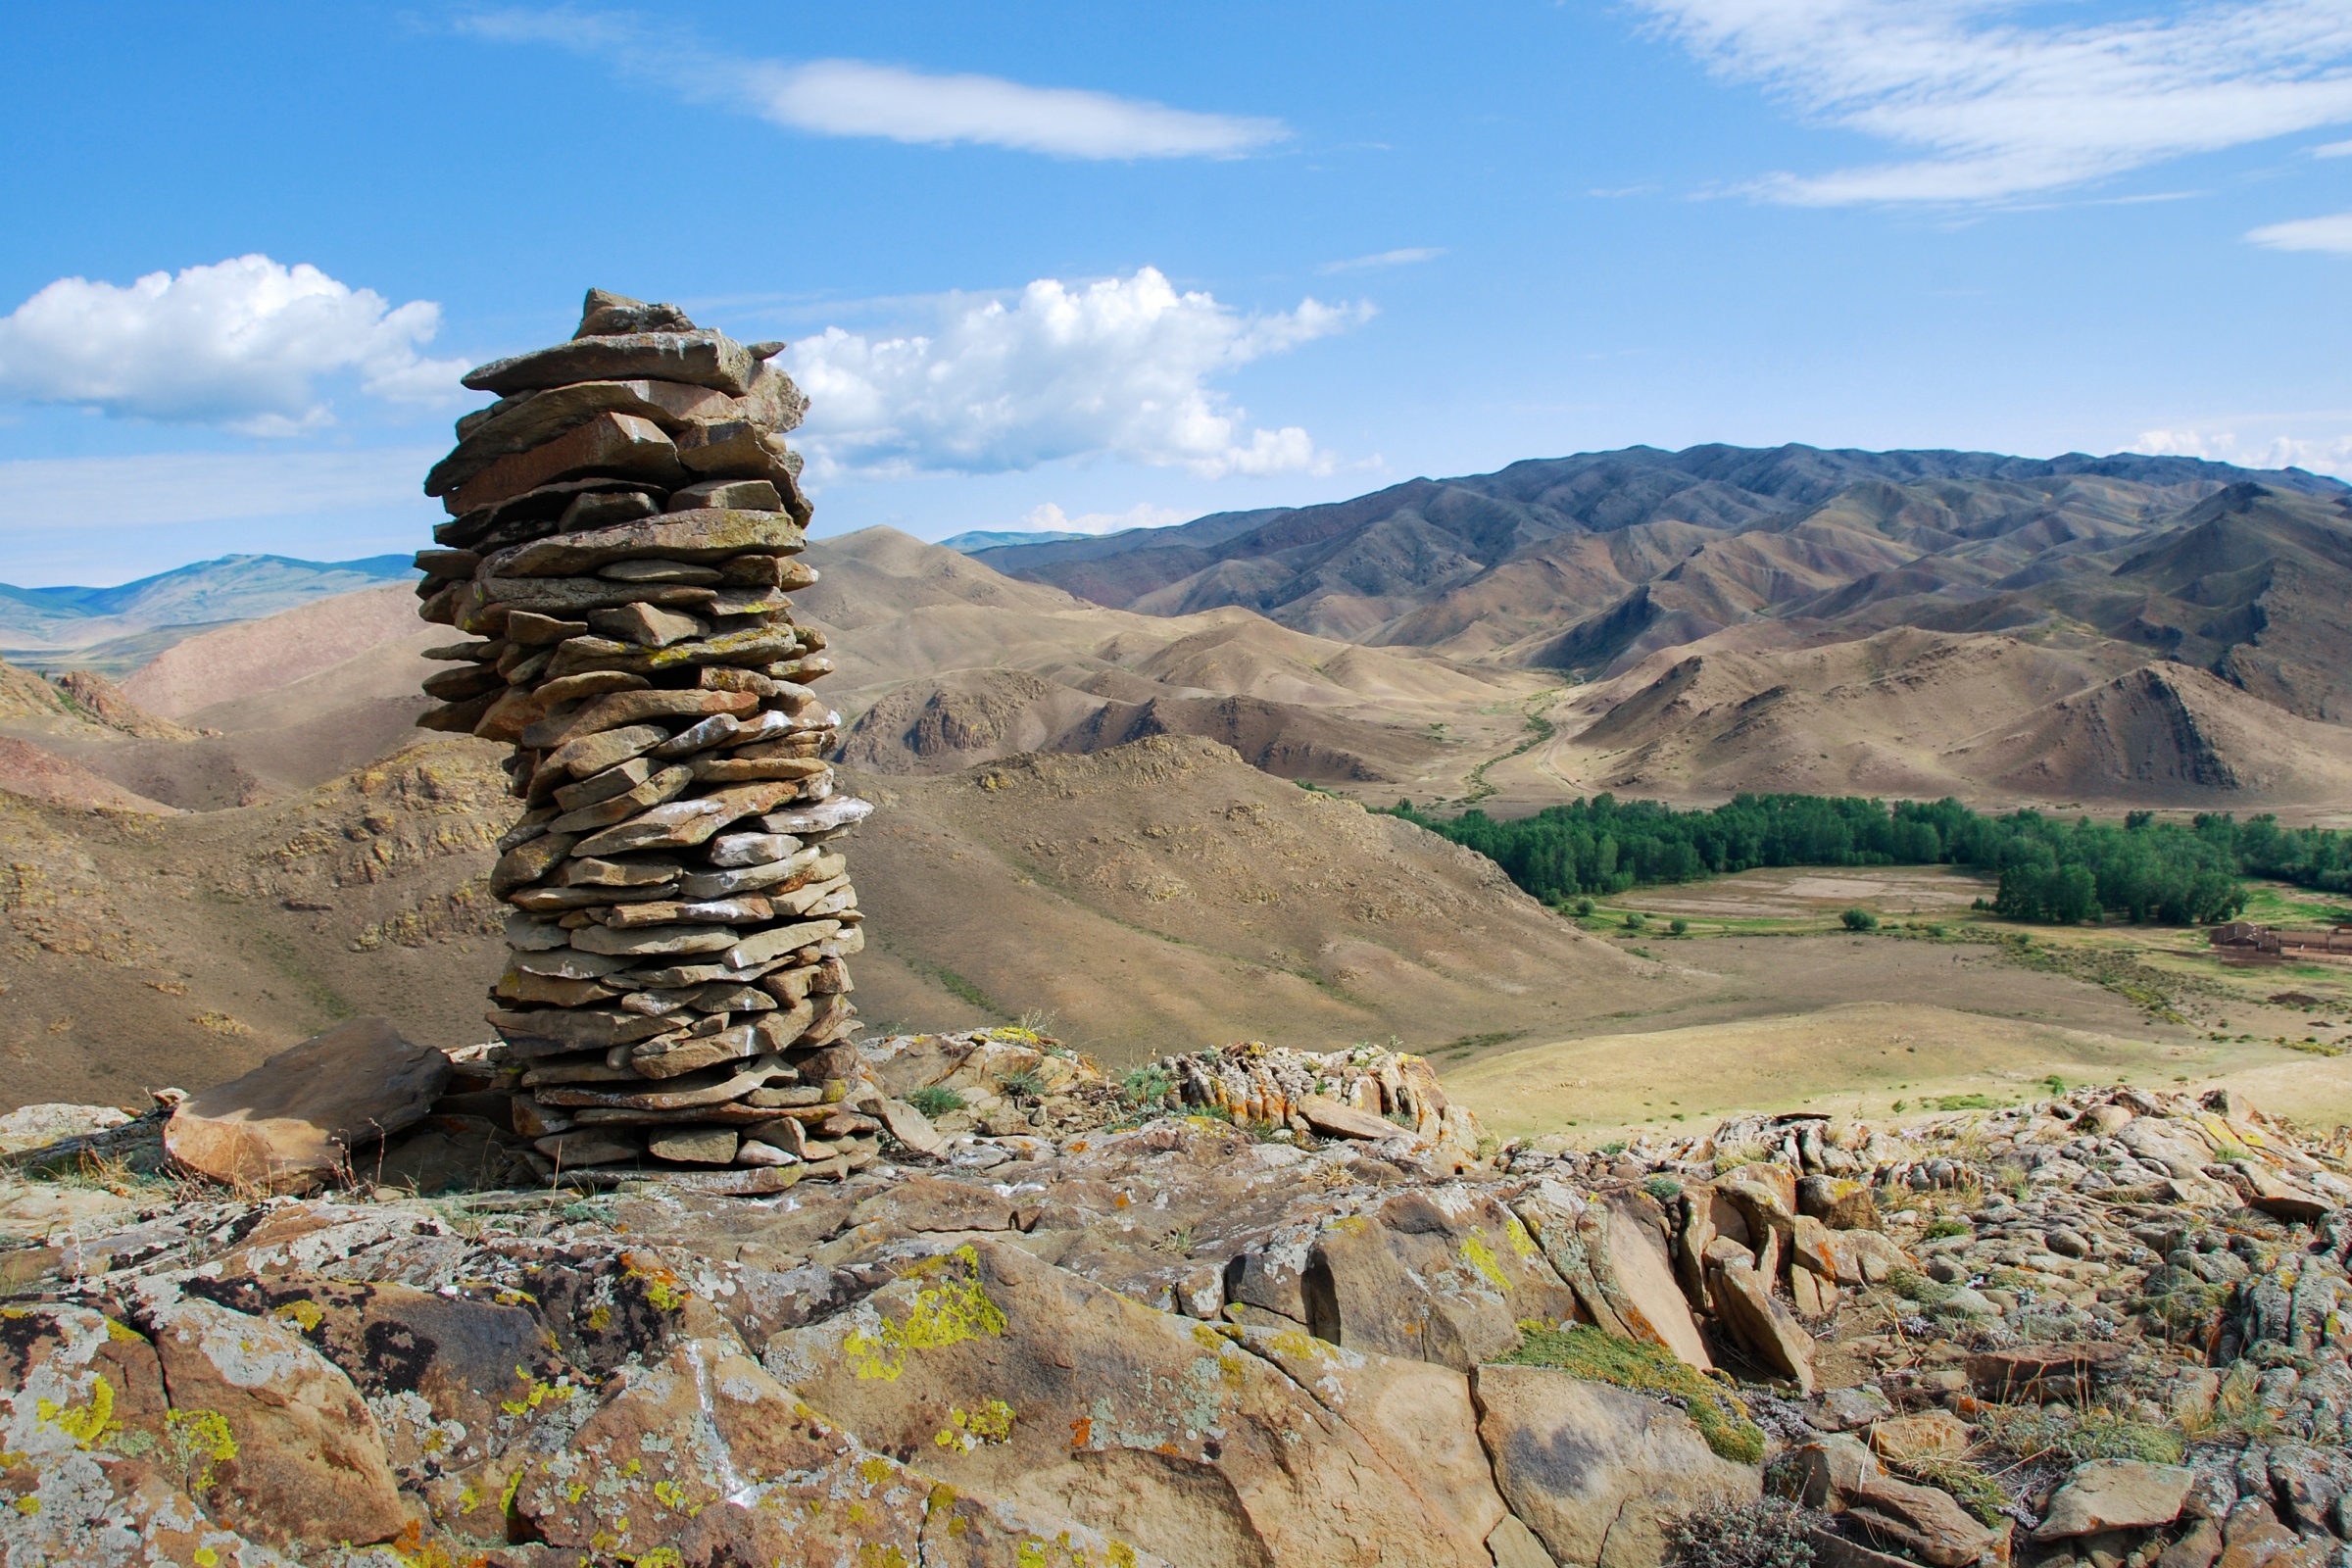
pixel 662 1287
pixel 942 1496
pixel 535 1392
pixel 874 1556
pixel 27 1505
pixel 89 1426
pixel 203 1441
pixel 124 1333
pixel 304 1315
pixel 1480 1256
pixel 968 1430
pixel 946 1313
pixel 1521 1243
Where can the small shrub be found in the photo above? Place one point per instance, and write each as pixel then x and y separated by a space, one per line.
pixel 1940 1228
pixel 2079 1436
pixel 1858 919
pixel 1912 1285
pixel 1584 907
pixel 1679 926
pixel 1665 1188
pixel 1023 1085
pixel 934 1100
pixel 1636 920
pixel 1965 1102
pixel 1615 1146
pixel 1149 1087
pixel 1589 1353
pixel 1769 1533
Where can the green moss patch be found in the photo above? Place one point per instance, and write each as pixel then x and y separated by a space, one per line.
pixel 1585 1351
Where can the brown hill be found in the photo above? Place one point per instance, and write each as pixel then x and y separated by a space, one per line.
pixel 2170 734
pixel 28 770
pixel 944 662
pixel 1166 894
pixel 1929 713
pixel 260 655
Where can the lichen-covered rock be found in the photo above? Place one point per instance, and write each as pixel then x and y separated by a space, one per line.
pixel 1444 1274
pixel 281 1447
pixel 1014 1378
pixel 1596 1472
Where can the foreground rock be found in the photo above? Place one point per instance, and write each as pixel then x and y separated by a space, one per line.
pixel 1063 1323
pixel 290 1125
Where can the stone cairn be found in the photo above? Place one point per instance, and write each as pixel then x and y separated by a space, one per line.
pixel 623 524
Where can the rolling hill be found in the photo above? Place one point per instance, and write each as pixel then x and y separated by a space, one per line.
pixel 40 626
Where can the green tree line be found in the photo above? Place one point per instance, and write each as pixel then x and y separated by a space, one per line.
pixel 2140 869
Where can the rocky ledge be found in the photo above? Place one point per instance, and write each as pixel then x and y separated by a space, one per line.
pixel 1247 1308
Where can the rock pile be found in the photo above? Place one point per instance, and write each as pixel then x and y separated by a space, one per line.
pixel 622 527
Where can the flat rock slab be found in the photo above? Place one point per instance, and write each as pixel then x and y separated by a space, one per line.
pixel 2116 1494
pixel 290 1124
pixel 2033 1371
pixel 1595 1471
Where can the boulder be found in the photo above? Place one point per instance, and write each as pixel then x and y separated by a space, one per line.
pixel 1653 1303
pixel 450 1378
pixel 1829 1471
pixel 1928 1435
pixel 1334 1120
pixel 2115 1494
pixel 1921 1520
pixel 1015 1378
pixel 1842 1203
pixel 278 1443
pixel 1442 1274
pixel 1765 1328
pixel 1596 1472
pixel 290 1125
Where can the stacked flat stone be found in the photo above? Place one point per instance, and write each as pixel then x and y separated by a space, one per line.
pixel 622 527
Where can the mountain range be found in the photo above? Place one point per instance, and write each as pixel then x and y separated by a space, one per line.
pixel 38 625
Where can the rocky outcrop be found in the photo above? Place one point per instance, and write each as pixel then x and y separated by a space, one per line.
pixel 1193 1325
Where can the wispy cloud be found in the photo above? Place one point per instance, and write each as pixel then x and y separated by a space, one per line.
pixel 1121 368
pixel 2333 149
pixel 241 345
pixel 2332 233
pixel 1998 110
pixel 1404 258
pixel 859 98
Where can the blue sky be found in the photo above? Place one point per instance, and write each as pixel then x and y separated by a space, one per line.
pixel 1087 262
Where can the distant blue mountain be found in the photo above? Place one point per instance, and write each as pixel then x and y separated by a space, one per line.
pixel 983 540
pixel 231 588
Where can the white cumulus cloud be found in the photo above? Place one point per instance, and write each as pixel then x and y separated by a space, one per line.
pixel 241 344
pixel 1050 519
pixel 863 98
pixel 1997 108
pixel 2329 455
pixel 1116 368
pixel 2330 233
